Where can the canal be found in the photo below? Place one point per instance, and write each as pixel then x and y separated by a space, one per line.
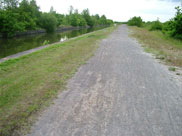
pixel 18 44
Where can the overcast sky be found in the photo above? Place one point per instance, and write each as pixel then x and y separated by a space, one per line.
pixel 118 10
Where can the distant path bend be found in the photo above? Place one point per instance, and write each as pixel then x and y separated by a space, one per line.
pixel 120 92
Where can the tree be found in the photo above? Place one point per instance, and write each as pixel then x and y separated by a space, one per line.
pixel 135 21
pixel 97 16
pixel 23 15
pixel 27 15
pixel 87 17
pixel 9 23
pixel 96 19
pixel 174 26
pixel 82 21
pixel 178 23
pixel 6 4
pixel 60 19
pixel 74 20
pixel 156 25
pixel 109 22
pixel 66 20
pixel 48 22
pixel 77 20
pixel 103 20
pixel 71 9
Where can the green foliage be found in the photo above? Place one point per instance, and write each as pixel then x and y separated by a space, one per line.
pixel 135 21
pixel 87 17
pixel 156 25
pixel 76 19
pixel 48 21
pixel 9 23
pixel 168 28
pixel 66 20
pixel 14 19
pixel 16 16
pixel 110 22
pixel 82 21
pixel 27 16
pixel 174 26
pixel 46 42
pixel 172 69
pixel 120 23
pixel 103 20
pixel 178 24
pixel 60 19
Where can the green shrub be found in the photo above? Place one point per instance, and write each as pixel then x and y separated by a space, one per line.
pixel 168 27
pixel 45 42
pixel 156 25
pixel 135 21
pixel 49 22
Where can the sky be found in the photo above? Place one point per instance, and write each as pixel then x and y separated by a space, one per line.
pixel 118 10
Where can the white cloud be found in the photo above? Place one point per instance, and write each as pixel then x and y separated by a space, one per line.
pixel 120 10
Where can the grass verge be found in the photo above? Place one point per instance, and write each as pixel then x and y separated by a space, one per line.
pixel 30 82
pixel 164 47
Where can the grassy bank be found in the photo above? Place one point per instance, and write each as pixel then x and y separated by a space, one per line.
pixel 164 47
pixel 29 83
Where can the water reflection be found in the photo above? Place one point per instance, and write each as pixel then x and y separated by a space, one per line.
pixel 19 44
pixel 63 39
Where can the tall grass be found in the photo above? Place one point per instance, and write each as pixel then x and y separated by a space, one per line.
pixel 163 46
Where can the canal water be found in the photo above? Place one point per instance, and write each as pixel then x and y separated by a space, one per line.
pixel 18 44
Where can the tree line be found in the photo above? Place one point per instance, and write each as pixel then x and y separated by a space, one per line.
pixel 172 28
pixel 24 15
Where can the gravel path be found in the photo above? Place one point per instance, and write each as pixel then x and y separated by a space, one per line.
pixel 121 91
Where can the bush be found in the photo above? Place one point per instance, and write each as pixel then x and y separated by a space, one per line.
pixel 135 21
pixel 49 22
pixel 168 28
pixel 156 25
